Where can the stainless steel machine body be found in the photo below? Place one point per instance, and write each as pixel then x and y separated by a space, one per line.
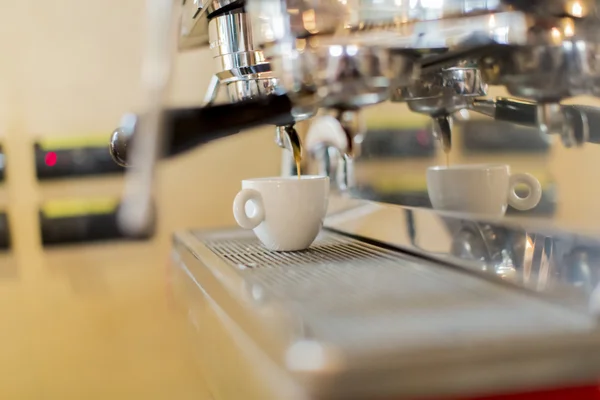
pixel 396 300
pixel 364 314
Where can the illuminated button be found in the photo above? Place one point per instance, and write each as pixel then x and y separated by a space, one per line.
pixel 51 159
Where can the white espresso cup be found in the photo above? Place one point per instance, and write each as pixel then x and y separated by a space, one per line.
pixel 286 213
pixel 480 189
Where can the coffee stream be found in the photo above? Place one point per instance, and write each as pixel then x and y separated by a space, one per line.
pixel 445 136
pixel 296 148
pixel 446 144
pixel 298 168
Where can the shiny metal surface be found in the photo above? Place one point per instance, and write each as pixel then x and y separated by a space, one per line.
pixel 444 91
pixel 213 6
pixel 241 66
pixel 351 75
pixel 193 27
pixel 533 255
pixel 437 56
pixel 279 20
pixel 464 81
pixel 194 20
pixel 439 94
pixel 231 33
pixel 558 7
pixel 349 55
pixel 551 73
pixel 408 11
pixel 119 141
pixel 250 88
pixel 344 312
pixel 509 28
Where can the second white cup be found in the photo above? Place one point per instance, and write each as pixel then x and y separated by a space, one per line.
pixel 286 213
pixel 480 189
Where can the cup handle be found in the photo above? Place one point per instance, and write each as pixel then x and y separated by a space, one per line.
pixel 239 208
pixel 532 199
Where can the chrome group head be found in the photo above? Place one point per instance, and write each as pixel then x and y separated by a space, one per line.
pixel 437 56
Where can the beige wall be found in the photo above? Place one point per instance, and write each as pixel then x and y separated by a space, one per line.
pixel 96 321
pixel 72 68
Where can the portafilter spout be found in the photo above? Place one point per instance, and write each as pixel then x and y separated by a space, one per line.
pixel 439 94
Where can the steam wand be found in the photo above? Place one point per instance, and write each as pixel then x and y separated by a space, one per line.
pixel 136 214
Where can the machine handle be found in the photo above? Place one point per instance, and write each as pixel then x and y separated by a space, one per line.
pixel 188 128
pixel 584 120
pixel 519 112
pixel 516 111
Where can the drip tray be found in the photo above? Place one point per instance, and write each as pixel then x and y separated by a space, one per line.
pixel 386 322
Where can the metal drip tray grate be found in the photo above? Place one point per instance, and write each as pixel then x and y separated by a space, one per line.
pixel 247 252
pixel 365 297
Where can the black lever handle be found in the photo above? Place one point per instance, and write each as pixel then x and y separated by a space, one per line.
pixel 520 112
pixel 188 128
pixel 584 120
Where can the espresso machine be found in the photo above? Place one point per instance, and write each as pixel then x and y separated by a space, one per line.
pixel 391 301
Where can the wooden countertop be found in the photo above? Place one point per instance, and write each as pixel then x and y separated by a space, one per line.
pixel 107 331
pixel 97 321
